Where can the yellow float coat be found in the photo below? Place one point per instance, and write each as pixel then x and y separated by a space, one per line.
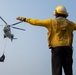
pixel 60 32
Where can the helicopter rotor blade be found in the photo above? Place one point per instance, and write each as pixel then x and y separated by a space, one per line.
pixel 3 20
pixel 18 28
pixel 16 23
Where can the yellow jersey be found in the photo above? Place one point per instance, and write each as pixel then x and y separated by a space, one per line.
pixel 60 30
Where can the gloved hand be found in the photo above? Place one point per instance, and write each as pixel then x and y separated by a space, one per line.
pixel 21 19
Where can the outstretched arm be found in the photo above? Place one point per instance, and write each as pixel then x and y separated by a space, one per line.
pixel 44 23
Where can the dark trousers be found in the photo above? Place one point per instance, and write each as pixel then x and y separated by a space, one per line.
pixel 62 58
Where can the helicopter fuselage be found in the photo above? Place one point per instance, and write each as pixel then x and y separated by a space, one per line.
pixel 7 32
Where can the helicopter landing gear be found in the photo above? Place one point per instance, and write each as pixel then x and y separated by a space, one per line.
pixel 12 36
pixel 4 36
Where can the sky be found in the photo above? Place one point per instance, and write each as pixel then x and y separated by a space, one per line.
pixel 29 54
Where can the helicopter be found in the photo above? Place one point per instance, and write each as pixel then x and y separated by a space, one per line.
pixel 7 29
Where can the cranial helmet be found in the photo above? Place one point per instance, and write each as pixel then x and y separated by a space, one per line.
pixel 60 10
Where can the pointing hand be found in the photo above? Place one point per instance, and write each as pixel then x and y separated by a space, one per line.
pixel 21 18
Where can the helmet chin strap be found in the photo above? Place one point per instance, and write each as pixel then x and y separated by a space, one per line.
pixel 54 13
